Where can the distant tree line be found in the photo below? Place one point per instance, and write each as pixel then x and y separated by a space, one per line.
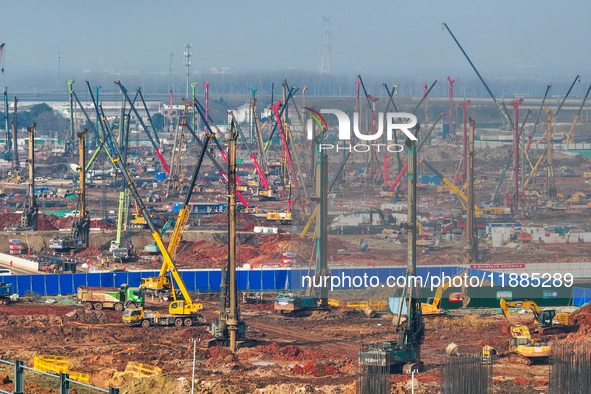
pixel 47 119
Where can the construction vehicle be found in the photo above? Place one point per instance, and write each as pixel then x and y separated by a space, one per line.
pixel 115 247
pixel 268 195
pixel 576 198
pixel 140 317
pixel 138 220
pixel 547 321
pixel 6 293
pixel 557 204
pixel 15 172
pixel 290 304
pixel 167 225
pixel 162 285
pixel 463 199
pixel 229 329
pixel 281 217
pixel 30 212
pixel 432 305
pixel 152 247
pixel 524 350
pixel 404 350
pixel 110 297
pixel 185 309
pixel 80 230
pixel 118 252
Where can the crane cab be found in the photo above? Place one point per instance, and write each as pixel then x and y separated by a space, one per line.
pixel 183 308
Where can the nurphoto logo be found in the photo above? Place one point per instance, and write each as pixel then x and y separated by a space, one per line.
pixel 392 124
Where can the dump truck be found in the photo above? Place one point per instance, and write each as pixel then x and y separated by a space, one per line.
pixel 134 317
pixel 118 252
pixel 110 297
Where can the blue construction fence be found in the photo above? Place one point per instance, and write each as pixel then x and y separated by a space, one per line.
pixel 581 296
pixel 267 279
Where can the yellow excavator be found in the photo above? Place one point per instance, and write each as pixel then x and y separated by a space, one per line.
pixel 547 321
pixel 431 307
pixel 525 350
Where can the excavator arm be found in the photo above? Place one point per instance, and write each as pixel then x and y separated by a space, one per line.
pixel 505 305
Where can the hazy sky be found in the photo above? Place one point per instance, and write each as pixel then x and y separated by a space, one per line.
pixel 503 38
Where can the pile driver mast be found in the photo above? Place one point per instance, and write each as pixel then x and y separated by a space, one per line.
pixel 16 165
pixel 29 215
pixel 69 144
pixel 229 329
pixel 549 187
pixel 405 350
pixel 82 230
pixel 515 200
pixel 471 247
pixel 7 135
pixel 451 104
pixel 462 178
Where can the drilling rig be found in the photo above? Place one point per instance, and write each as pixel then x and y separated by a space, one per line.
pixel 31 210
pixel 15 174
pixel 404 351
pixel 80 230
pixel 229 329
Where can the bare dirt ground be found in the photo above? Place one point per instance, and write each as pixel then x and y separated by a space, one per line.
pixel 317 352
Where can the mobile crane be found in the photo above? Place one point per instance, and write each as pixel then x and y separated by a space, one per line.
pixel 162 284
pixel 404 350
pixel 180 312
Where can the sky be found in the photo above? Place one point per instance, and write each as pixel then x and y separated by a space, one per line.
pixel 405 38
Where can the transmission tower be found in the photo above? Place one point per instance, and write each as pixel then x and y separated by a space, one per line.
pixel 188 64
pixel 326 46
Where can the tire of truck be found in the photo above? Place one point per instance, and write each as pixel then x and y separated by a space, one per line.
pixel 118 307
pixel 98 306
pixel 146 323
pixel 188 322
pixel 131 305
pixel 178 293
pixel 88 305
pixel 178 322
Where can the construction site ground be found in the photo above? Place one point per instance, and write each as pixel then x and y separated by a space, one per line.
pixel 316 353
pixel 305 354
